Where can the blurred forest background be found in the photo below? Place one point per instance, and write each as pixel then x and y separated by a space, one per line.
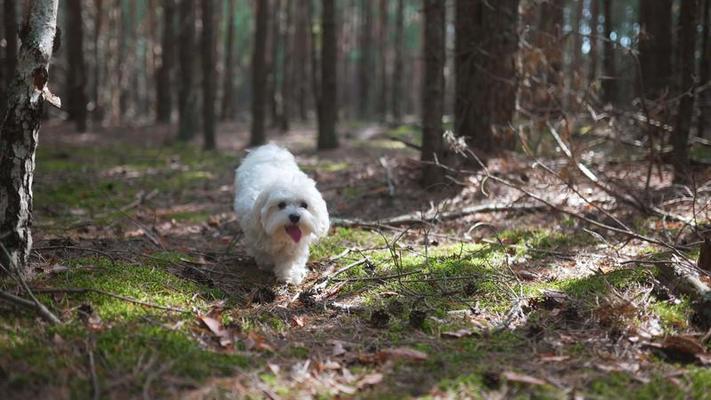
pixel 519 192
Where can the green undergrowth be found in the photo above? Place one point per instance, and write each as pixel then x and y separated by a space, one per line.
pixel 126 339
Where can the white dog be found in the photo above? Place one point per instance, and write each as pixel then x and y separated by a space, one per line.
pixel 279 210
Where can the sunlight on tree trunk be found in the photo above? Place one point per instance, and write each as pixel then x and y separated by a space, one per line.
pixel 19 132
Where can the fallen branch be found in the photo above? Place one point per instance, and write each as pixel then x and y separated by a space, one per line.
pixel 414 218
pixel 681 278
pixel 114 295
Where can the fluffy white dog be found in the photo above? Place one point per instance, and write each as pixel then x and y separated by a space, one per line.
pixel 279 210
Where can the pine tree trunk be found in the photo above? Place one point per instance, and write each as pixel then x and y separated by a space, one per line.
pixel 704 73
pixel 209 73
pixel 228 110
pixel 301 52
pixel 655 47
pixel 273 46
pixel 594 39
pixel 287 66
pixel 97 113
pixel 19 133
pixel 396 102
pixel 259 73
pixel 609 82
pixel 76 69
pixel 686 48
pixel 328 114
pixel 485 72
pixel 186 101
pixel 382 55
pixel 365 62
pixel 433 90
pixel 164 78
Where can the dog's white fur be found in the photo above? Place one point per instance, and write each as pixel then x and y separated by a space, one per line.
pixel 269 190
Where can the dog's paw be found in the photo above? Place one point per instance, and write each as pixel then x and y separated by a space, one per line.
pixel 292 276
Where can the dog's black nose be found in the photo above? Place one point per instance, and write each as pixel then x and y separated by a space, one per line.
pixel 294 218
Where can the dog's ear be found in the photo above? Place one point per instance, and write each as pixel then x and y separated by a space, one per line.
pixel 321 213
pixel 260 210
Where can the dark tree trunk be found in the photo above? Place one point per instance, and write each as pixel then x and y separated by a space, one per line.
pixel 382 55
pixel 273 46
pixel 19 134
pixel 655 46
pixel 186 101
pixel 328 108
pixel 704 73
pixel 301 52
pixel 594 39
pixel 433 91
pixel 365 67
pixel 259 73
pixel 164 84
pixel 485 73
pixel 228 108
pixel 609 81
pixel 396 102
pixel 209 73
pixel 686 46
pixel 97 113
pixel 287 66
pixel 76 69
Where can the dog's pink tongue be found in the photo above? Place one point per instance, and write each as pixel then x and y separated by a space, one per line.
pixel 294 232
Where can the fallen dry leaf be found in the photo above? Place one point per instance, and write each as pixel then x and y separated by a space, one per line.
pixel 402 353
pixel 297 320
pixel 458 334
pixel 223 335
pixel 370 380
pixel 554 358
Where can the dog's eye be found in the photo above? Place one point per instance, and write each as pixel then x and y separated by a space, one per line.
pixel 304 205
pixel 281 205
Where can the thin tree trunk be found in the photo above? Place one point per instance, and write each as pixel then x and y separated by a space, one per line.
pixel 301 50
pixel 328 115
pixel 209 73
pixel 704 73
pixel 655 47
pixel 485 72
pixel 433 90
pixel 609 82
pixel 273 46
pixel 259 73
pixel 76 71
pixel 594 39
pixel 186 39
pixel 19 133
pixel 228 109
pixel 164 78
pixel 396 102
pixel 365 62
pixel 686 46
pixel 97 113
pixel 287 66
pixel 382 54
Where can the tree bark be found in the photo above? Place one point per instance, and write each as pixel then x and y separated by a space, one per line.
pixel 186 100
pixel 485 97
pixel 301 52
pixel 164 78
pixel 259 73
pixel 396 102
pixel 76 68
pixel 97 112
pixel 655 47
pixel 228 109
pixel 609 81
pixel 365 64
pixel 328 108
pixel 433 91
pixel 209 73
pixel 287 66
pixel 19 133
pixel 704 73
pixel 594 39
pixel 686 48
pixel 382 55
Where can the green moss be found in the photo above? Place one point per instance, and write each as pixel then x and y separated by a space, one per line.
pixel 674 317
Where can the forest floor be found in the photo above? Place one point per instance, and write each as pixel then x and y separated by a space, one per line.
pixel 138 252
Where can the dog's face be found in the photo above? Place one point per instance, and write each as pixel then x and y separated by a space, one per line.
pixel 293 215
